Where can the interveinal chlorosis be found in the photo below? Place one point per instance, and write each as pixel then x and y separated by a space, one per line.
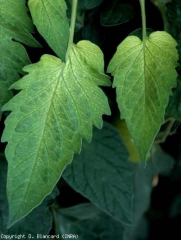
pixel 51 114
pixel 144 75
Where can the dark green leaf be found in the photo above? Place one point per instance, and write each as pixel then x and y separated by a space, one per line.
pixel 158 163
pixel 102 174
pixel 162 162
pixel 92 30
pixel 116 13
pixel 89 4
pixel 92 225
pixel 143 178
pixel 79 21
pixel 174 20
pixel 84 5
pixel 81 212
pixel 174 107
pixel 174 17
pixel 5 93
pixel 15 24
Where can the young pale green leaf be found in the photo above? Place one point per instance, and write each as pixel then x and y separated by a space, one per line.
pixel 144 75
pixel 52 23
pixel 103 175
pixel 14 24
pixel 57 106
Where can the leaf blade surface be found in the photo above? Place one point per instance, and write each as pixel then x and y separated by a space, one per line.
pixel 51 21
pixel 116 13
pixel 103 174
pixel 49 117
pixel 15 25
pixel 89 223
pixel 144 75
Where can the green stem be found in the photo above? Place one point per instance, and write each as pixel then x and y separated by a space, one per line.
pixel 163 10
pixel 143 16
pixel 72 28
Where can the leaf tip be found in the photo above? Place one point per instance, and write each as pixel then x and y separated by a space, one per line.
pixel 11 222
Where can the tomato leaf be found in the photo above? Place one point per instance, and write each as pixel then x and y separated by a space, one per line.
pixel 88 222
pixel 15 27
pixel 116 13
pixel 52 23
pixel 173 17
pixel 102 174
pixel 57 106
pixel 174 107
pixel 38 221
pixel 144 75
